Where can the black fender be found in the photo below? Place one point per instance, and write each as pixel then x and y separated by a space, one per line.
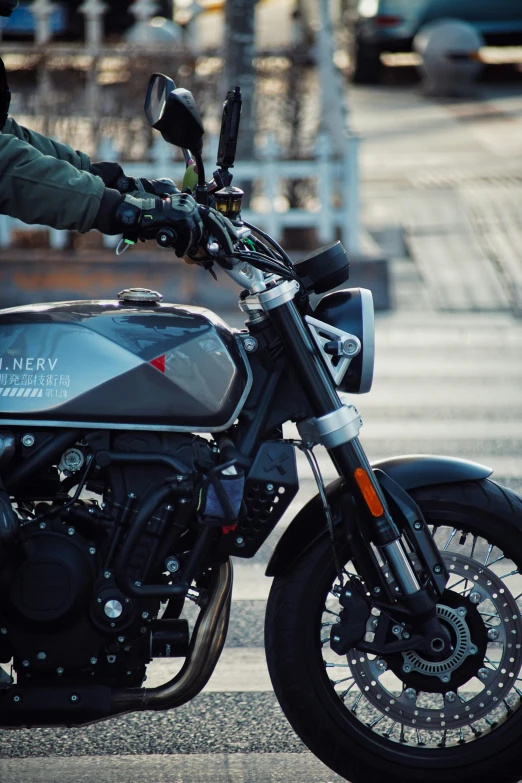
pixel 412 471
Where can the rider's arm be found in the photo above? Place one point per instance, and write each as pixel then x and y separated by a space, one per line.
pixel 40 188
pixel 47 146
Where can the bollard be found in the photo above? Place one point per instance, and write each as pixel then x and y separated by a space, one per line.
pixel 450 57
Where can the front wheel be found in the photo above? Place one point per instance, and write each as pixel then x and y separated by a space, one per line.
pixel 406 718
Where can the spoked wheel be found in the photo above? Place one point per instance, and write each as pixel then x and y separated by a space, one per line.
pixel 405 717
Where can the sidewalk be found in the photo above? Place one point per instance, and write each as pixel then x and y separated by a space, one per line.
pixel 442 192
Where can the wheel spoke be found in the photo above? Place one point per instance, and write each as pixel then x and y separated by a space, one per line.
pixel 450 539
pixel 511 573
pixel 345 693
pixel 489 614
pixel 338 682
pixel 388 733
pixel 331 665
pixel 329 611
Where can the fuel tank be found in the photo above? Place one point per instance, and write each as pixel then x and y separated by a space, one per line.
pixel 120 364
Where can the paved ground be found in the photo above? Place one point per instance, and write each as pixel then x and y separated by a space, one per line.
pixel 448 173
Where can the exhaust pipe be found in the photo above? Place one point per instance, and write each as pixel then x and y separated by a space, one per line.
pixel 206 645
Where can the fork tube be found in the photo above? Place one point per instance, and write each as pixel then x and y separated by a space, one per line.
pixel 318 385
pixel 302 353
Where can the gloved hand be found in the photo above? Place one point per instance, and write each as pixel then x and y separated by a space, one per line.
pixel 142 218
pixel 114 177
pixel 218 227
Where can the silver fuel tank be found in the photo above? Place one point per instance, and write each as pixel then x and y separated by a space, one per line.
pixel 120 365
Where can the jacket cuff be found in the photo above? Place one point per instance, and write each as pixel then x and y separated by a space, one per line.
pixel 105 220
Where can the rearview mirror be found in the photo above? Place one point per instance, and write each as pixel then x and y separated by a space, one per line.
pixel 174 113
pixel 159 89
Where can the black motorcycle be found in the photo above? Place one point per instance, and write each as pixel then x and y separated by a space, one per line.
pixel 141 446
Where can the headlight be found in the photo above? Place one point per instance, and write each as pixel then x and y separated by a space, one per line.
pixel 349 312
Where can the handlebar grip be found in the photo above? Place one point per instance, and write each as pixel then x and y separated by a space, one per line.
pixel 166 237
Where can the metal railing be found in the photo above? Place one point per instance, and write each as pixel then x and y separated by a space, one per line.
pixel 332 208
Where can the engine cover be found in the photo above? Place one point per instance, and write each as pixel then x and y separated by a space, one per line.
pixel 52 584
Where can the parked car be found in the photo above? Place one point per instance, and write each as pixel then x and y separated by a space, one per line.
pixel 67 23
pixel 391 25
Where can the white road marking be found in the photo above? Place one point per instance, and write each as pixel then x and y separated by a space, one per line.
pixel 239 670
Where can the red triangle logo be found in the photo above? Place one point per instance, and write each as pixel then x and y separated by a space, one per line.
pixel 159 363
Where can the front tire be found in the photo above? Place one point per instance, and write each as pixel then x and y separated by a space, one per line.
pixel 345 718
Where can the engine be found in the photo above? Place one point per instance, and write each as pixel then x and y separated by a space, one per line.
pixel 63 614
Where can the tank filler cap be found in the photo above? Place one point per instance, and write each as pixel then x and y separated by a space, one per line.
pixel 137 295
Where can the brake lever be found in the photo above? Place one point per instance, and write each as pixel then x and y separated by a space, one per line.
pixel 216 230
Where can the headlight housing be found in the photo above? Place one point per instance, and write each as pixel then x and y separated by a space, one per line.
pixel 350 311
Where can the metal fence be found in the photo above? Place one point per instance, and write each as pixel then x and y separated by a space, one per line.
pixel 331 179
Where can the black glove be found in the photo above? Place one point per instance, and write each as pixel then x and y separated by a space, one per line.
pixel 218 227
pixel 114 177
pixel 142 218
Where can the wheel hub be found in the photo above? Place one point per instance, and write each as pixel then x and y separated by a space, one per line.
pixel 461 644
pixel 468 639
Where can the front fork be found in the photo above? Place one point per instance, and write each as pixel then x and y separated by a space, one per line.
pixel 335 426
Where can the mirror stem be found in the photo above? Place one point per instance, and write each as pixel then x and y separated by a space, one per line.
pixel 201 189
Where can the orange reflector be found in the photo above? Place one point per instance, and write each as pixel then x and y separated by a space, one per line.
pixel 365 485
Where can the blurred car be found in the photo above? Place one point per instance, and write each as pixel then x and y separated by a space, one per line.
pixel 67 23
pixel 391 25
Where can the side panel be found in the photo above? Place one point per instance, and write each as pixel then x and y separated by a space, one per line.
pixel 410 472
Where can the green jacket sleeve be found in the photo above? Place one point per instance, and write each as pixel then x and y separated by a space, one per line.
pixel 44 182
pixel 47 146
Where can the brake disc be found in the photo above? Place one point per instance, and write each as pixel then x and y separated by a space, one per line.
pixel 491 674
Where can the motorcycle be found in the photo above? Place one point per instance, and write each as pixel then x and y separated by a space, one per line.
pixel 141 447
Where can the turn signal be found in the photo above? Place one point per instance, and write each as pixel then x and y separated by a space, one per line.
pixel 364 483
